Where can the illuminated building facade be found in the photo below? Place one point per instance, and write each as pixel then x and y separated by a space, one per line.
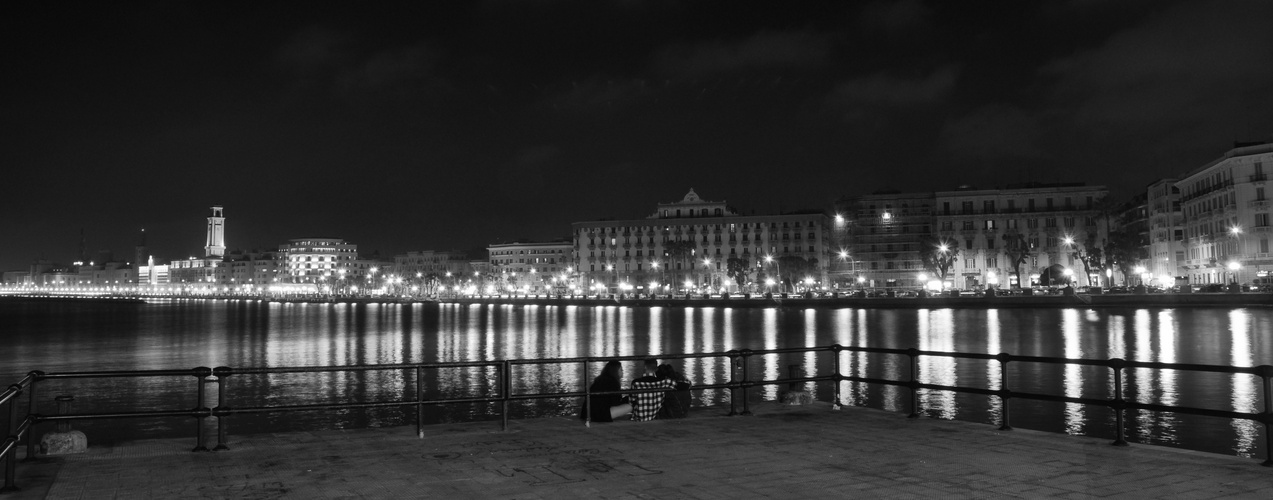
pixel 884 233
pixel 1058 221
pixel 312 260
pixel 249 271
pixel 687 245
pixel 532 267
pixel 1166 232
pixel 426 263
pixel 1225 211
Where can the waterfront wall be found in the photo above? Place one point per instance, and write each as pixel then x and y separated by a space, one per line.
pixel 1016 301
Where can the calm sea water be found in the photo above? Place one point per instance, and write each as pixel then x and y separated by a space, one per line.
pixel 69 336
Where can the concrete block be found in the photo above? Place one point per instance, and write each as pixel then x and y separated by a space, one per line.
pixel 63 443
pixel 796 398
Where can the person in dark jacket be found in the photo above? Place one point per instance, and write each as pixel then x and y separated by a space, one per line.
pixel 607 407
pixel 676 403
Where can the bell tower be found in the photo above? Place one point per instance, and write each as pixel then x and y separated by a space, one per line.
pixel 216 233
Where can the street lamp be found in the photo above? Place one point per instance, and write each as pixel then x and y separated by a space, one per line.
pixel 770 259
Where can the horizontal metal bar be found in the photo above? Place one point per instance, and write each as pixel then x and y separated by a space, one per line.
pixel 131 414
pixel 360 368
pixel 120 373
pixel 338 406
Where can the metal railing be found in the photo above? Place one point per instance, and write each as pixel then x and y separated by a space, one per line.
pixel 503 393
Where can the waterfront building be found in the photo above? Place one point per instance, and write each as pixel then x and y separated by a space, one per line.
pixel 1132 226
pixel 249 271
pixel 532 267
pixel 1059 223
pixel 151 274
pixel 315 260
pixel 1166 232
pixel 106 274
pixel 687 245
pixel 431 262
pixel 194 272
pixel 883 235
pixel 1225 210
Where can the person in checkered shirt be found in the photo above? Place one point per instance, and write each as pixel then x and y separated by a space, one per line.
pixel 646 405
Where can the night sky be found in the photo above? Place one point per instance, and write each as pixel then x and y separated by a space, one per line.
pixel 453 125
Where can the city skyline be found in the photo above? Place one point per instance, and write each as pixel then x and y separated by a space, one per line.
pixel 457 125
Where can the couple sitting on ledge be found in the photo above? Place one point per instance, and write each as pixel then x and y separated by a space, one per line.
pixel 669 395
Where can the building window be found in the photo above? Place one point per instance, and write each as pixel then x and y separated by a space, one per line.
pixel 990 224
pixel 1049 222
pixel 968 244
pixel 947 225
pixel 968 225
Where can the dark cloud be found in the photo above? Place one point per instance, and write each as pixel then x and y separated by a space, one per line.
pixel 314 49
pixel 901 17
pixel 992 133
pixel 882 89
pixel 527 177
pixel 1193 59
pixel 769 50
pixel 326 60
pixel 599 94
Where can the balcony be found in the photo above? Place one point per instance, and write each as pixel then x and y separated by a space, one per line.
pixel 1262 229
pixel 1258 178
pixel 1258 204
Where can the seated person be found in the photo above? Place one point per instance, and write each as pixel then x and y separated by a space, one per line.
pixel 676 404
pixel 606 407
pixel 645 405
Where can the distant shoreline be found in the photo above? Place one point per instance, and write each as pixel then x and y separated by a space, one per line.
pixel 1000 302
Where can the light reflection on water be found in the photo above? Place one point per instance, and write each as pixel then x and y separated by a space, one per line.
pixel 78 337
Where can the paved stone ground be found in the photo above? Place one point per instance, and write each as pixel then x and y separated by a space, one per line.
pixel 789 452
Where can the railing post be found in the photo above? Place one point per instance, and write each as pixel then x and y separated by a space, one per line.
pixel 32 410
pixel 746 353
pixel 839 378
pixel 1266 372
pixel 10 460
pixel 733 380
pixel 201 377
pixel 419 402
pixel 587 397
pixel 1005 394
pixel 222 411
pixel 1118 404
pixel 913 354
pixel 506 383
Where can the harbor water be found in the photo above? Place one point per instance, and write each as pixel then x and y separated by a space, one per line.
pixel 69 336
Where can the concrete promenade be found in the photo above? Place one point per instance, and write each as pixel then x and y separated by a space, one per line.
pixel 788 452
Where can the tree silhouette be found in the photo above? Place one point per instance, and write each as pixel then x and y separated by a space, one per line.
pixel 680 252
pixel 938 256
pixel 1018 251
pixel 739 270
